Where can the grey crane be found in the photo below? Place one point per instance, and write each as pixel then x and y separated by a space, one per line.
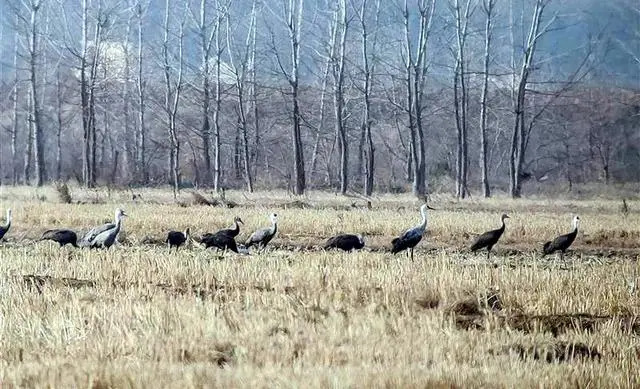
pixel 489 238
pixel 562 242
pixel 412 236
pixel 177 238
pixel 345 242
pixel 263 236
pixel 104 236
pixel 4 229
pixel 62 236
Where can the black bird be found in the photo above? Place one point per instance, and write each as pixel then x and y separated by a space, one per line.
pixel 220 241
pixel 177 238
pixel 232 232
pixel 412 236
pixel 562 242
pixel 5 228
pixel 264 235
pixel 489 238
pixel 62 236
pixel 346 242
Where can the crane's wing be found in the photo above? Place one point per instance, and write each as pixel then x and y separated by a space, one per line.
pixel 93 233
pixel 258 236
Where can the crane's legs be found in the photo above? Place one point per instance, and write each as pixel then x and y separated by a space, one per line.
pixel 412 254
pixel 488 252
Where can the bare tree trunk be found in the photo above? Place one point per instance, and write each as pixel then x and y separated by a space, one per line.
pixel 142 174
pixel 489 6
pixel 217 164
pixel 60 124
pixel 16 116
pixel 206 40
pixel 126 110
pixel 172 97
pixel 369 151
pixel 254 90
pixel 460 94
pixel 240 80
pixel 415 78
pixel 294 21
pixel 320 126
pixel 340 28
pixel 518 141
pixel 34 112
pixel 27 151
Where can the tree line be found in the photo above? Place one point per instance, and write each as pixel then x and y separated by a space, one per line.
pixel 351 95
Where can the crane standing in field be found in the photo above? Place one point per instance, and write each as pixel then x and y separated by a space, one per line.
pixel 412 236
pixel 263 236
pixel 562 242
pixel 4 229
pixel 489 238
pixel 61 236
pixel 345 242
pixel 177 238
pixel 220 241
pixel 232 232
pixel 104 236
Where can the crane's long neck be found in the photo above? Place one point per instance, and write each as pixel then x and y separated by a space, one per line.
pixel 423 224
pixel 574 225
pixel 274 228
pixel 118 222
pixel 236 226
pixel 8 221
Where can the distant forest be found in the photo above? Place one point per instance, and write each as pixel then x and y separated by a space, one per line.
pixel 466 96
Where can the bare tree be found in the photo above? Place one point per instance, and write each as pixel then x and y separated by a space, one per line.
pixel 206 33
pixel 461 98
pixel 217 163
pixel 518 139
pixel 338 48
pixel 173 89
pixel 415 64
pixel 368 66
pixel 16 116
pixel 60 123
pixel 29 17
pixel 488 7
pixel 292 10
pixel 142 173
pixel 240 73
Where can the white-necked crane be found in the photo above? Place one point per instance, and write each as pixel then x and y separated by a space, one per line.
pixel 4 229
pixel 562 242
pixel 412 236
pixel 345 242
pixel 177 238
pixel 263 236
pixel 104 236
pixel 489 238
pixel 62 236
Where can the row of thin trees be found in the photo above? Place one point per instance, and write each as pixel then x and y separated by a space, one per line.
pixel 146 80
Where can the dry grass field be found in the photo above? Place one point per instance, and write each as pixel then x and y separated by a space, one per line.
pixel 296 316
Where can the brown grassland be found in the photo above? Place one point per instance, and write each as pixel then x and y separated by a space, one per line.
pixel 297 316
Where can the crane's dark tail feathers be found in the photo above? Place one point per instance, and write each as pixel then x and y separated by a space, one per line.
pixel 546 249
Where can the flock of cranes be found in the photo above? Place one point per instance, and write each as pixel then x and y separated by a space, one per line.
pixel 104 236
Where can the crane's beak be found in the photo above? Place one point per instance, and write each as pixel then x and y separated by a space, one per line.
pixel 240 221
pixel 431 208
